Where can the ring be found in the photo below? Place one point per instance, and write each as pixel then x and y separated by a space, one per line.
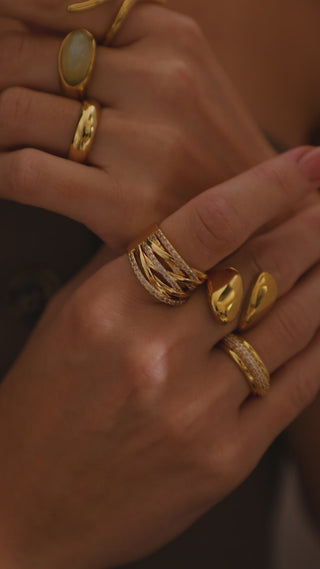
pixel 249 362
pixel 121 17
pixel 75 63
pixel 262 297
pixel 225 293
pixel 85 132
pixel 161 270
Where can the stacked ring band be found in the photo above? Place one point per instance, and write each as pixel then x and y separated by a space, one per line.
pixel 121 17
pixel 85 132
pixel 250 363
pixel 161 270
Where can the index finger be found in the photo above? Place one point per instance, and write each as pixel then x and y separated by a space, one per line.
pixel 217 222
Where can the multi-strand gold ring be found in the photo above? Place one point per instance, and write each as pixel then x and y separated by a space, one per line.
pixel 161 270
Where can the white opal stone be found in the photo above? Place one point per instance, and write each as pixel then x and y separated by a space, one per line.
pixel 76 57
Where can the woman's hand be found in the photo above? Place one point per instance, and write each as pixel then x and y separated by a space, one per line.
pixel 171 125
pixel 121 422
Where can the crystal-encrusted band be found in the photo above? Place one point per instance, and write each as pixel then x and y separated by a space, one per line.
pixel 161 270
pixel 249 362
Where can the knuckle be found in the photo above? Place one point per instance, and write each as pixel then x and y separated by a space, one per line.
pixel 180 83
pixel 146 364
pixel 14 107
pixel 187 29
pixel 215 223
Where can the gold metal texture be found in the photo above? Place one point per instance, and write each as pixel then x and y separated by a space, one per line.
pixel 250 363
pixel 121 17
pixel 262 297
pixel 86 5
pixel 76 62
pixel 225 293
pixel 161 270
pixel 85 132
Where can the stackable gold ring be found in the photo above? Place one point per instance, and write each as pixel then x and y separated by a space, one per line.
pixel 75 63
pixel 85 132
pixel 161 270
pixel 261 298
pixel 225 293
pixel 250 363
pixel 121 17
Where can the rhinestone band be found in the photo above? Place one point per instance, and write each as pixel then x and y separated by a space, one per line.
pixel 161 270
pixel 249 362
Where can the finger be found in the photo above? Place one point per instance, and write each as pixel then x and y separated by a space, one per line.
pixel 287 253
pixel 294 387
pixel 286 331
pixel 52 14
pixel 33 177
pixel 31 60
pixel 213 225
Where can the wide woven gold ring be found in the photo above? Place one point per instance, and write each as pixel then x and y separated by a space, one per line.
pixel 161 270
pixel 250 363
pixel 76 62
pixel 85 132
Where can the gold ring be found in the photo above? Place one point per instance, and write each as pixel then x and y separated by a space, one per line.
pixel 249 362
pixel 161 270
pixel 225 293
pixel 85 132
pixel 121 17
pixel 76 61
pixel 262 297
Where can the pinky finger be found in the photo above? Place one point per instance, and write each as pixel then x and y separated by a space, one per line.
pixel 294 387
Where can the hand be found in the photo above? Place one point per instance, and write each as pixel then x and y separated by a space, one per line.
pixel 171 125
pixel 121 423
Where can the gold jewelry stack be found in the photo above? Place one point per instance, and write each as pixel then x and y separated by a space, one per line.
pixel 161 270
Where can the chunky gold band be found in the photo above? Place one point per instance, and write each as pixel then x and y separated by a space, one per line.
pixel 161 270
pixel 85 132
pixel 249 362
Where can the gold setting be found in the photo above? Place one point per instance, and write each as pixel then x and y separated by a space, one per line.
pixel 225 293
pixel 262 297
pixel 85 132
pixel 250 363
pixel 161 270
pixel 74 82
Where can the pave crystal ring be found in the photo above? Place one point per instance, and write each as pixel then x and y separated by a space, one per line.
pixel 76 62
pixel 161 270
pixel 249 362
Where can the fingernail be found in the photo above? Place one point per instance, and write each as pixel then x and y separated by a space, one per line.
pixel 310 165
